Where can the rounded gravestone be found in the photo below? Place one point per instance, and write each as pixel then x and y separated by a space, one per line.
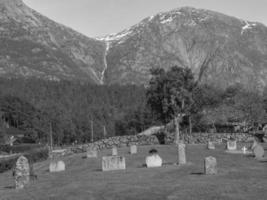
pixel 22 172
pixel 258 151
pixel 210 165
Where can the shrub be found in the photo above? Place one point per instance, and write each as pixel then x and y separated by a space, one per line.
pixel 34 155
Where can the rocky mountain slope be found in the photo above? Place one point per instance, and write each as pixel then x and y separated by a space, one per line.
pixel 35 46
pixel 221 50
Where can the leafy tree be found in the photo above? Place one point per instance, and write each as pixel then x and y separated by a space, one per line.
pixel 169 94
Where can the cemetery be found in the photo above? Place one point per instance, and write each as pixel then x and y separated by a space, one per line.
pixel 144 172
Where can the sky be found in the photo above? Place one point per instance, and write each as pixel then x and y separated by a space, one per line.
pixel 101 17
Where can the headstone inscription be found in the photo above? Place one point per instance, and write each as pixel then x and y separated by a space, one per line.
pixel 110 163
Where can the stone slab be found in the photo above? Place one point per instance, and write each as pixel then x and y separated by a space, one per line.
pixel 91 153
pixel 57 166
pixel 211 145
pixel 133 149
pixel 114 151
pixel 231 145
pixel 110 163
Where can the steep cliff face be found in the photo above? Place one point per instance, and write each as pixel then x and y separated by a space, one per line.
pixel 221 50
pixel 35 46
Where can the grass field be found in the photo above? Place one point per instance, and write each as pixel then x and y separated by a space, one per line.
pixel 239 177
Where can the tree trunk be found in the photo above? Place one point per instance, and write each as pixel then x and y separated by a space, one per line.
pixel 190 126
pixel 177 130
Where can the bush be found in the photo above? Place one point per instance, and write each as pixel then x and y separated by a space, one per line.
pixel 19 148
pixel 34 155
pixel 7 163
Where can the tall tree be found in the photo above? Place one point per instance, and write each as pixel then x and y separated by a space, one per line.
pixel 169 94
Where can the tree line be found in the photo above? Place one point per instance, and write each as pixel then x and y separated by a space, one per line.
pixel 73 109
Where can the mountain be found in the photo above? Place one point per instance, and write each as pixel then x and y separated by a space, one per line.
pixel 221 50
pixel 35 46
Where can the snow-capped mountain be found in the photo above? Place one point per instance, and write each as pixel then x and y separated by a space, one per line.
pixel 221 50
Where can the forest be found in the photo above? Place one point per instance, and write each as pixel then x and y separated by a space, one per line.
pixel 73 110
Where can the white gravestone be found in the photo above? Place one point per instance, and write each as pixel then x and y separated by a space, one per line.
pixel 114 151
pixel 133 149
pixel 91 153
pixel 231 145
pixel 181 154
pixel 244 150
pixel 211 145
pixel 110 163
pixel 22 172
pixel 153 160
pixel 57 166
pixel 210 165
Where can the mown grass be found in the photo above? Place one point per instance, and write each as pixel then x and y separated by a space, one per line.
pixel 239 177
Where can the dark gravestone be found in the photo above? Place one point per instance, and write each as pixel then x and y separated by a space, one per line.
pixel 258 151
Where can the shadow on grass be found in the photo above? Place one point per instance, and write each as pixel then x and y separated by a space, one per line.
pixel 197 173
pixel 9 187
pixel 97 170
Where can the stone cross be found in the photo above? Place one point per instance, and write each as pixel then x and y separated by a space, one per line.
pixel 181 154
pixel 22 172
pixel 110 163
pixel 133 149
pixel 114 151
pixel 231 145
pixel 210 166
pixel 211 145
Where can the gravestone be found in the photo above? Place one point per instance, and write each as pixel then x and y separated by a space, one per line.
pixel 211 145
pixel 210 165
pixel 133 149
pixel 181 154
pixel 114 151
pixel 110 163
pixel 258 151
pixel 22 172
pixel 231 145
pixel 153 160
pixel 57 166
pixel 91 153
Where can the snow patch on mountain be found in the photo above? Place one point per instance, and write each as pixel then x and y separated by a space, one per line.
pixel 247 26
pixel 115 36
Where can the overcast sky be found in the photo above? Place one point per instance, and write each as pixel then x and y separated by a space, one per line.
pixel 101 17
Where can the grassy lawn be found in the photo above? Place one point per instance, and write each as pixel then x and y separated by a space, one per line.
pixel 239 177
